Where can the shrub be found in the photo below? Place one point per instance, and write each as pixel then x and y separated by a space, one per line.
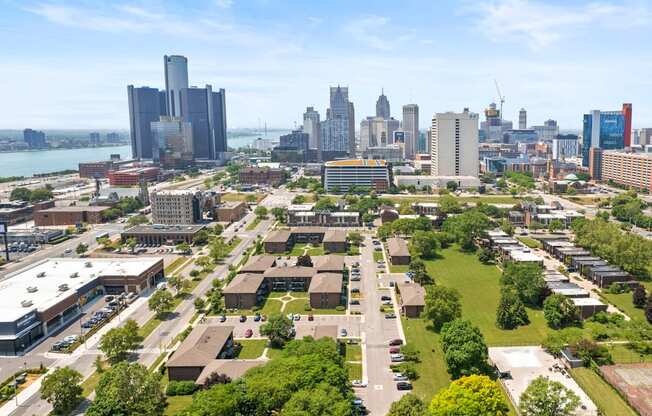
pixel 588 351
pixel 255 308
pixel 340 308
pixel 194 273
pixel 307 307
pixel 409 370
pixel 180 388
pixel 638 297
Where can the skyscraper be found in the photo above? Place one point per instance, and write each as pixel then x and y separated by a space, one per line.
pixel 94 138
pixel 176 78
pixel 338 131
pixel 605 130
pixel 627 114
pixel 205 111
pixel 522 119
pixel 377 132
pixel 411 129
pixel 145 105
pixel 35 139
pixel 454 149
pixel 311 127
pixel 172 142
pixel 382 106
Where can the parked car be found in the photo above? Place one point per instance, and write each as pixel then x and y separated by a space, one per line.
pixel 387 302
pixel 343 332
pixel 400 377
pixel 385 297
pixel 404 385
pixel 297 317
pixel 390 316
pixel 248 333
pixel 395 350
pixel 396 358
pixel 396 341
pixel 108 298
pixel 354 302
pixel 357 402
pixel 243 318
pixel 358 383
pixel 355 278
pixel 257 317
pixel 355 290
pixel 311 317
pixel 222 318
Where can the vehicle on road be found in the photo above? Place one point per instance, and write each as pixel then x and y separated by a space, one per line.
pixel 311 317
pixel 297 317
pixel 355 278
pixel 387 302
pixel 257 317
pixel 248 333
pixel 404 385
pixel 400 377
pixel 67 251
pixel 390 316
pixel 343 332
pixel 354 302
pixel 396 341
pixel 222 318
pixel 358 383
pixel 385 297
pixel 396 358
pixel 243 318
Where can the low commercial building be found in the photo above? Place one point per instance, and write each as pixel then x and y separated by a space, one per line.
pixel 413 297
pixel 281 241
pixel 398 252
pixel 340 175
pixel 426 208
pixel 93 170
pixel 323 219
pixel 230 211
pixel 436 182
pixel 35 236
pixel 69 216
pixel 160 234
pixel 253 175
pixel 133 176
pixel 15 212
pixel 46 296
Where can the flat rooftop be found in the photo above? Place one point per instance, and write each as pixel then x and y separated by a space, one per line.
pixel 356 163
pixel 76 208
pixel 165 229
pixel 48 276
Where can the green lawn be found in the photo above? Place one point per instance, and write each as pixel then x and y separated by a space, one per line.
pixel 432 368
pixel 297 250
pixel 479 288
pixel 251 348
pixel 398 269
pixel 354 370
pixel 270 306
pixel 176 404
pixel 603 395
pixel 623 301
pixel 530 242
pixel 623 355
pixel 252 225
pixel 274 352
pixel 353 251
pixel 297 306
pixel 233 244
pixel 236 197
pixel 172 267
pixel 353 352
pixel 378 255
pixel 316 251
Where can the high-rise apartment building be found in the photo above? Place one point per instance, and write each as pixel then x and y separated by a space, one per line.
pixel 311 127
pixel 175 68
pixel 382 106
pixel 626 169
pixel 605 130
pixel 35 139
pixel 176 207
pixel 340 175
pixel 454 149
pixel 565 145
pixel 522 119
pixel 411 128
pixel 172 142
pixel 645 136
pixel 337 132
pixel 145 106
pixel 94 139
pixel 205 111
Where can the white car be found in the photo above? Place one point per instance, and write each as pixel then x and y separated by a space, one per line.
pixel 396 358
pixel 400 377
pixel 359 383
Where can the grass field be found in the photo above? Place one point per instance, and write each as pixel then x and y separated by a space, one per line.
pixel 176 404
pixel 270 306
pixel 623 301
pixel 354 370
pixel 231 197
pixel 623 355
pixel 353 352
pixel 602 394
pixel 172 267
pixel 378 255
pixel 298 306
pixel 398 269
pixel 253 224
pixel 251 348
pixel 530 242
pixel 479 288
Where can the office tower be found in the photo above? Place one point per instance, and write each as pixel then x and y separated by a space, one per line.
pixel 206 111
pixel 311 127
pixel 382 106
pixel 337 131
pixel 341 175
pixel 172 142
pixel 494 126
pixel 627 115
pixel 645 136
pixel 564 145
pixel 94 138
pixel 175 68
pixel 35 139
pixel 455 144
pixel 145 105
pixel 411 129
pixel 605 130
pixel 548 131
pixel 298 140
pixel 522 119
pixel 377 132
pixel 113 137
pixel 176 207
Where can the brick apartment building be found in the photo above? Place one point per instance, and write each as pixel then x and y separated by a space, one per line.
pixel 132 177
pixel 69 216
pixel 251 175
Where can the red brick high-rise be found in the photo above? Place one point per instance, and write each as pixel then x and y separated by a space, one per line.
pixel 627 114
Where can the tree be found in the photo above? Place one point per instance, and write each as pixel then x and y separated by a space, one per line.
pixel 218 249
pixel 299 199
pixel 279 329
pixel 279 214
pixel 474 395
pixel 81 248
pixel 449 205
pixel 442 305
pixel 355 238
pixel 117 342
pixel 555 225
pixel 408 405
pixel 544 397
pixel 137 220
pixel 161 301
pixel 507 227
pixel 215 378
pixel 261 212
pixel 62 390
pixel 183 248
pixel 486 256
pixel 560 311
pixel 511 312
pixel 200 304
pixel 465 351
pixel 215 300
pixel 648 309
pixel 178 283
pixel 323 400
pixel 251 199
pixel 304 261
pixel 424 244
pixel 467 226
pixel 201 238
pixel 128 389
pixel 451 186
pixel 639 296
pixel 20 194
pixel 419 273
pixel 588 351
pixel 526 279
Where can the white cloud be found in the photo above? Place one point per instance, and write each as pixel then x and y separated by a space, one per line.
pixel 540 24
pixel 368 31
pixel 224 4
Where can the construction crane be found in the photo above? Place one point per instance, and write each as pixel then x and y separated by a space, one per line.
pixel 502 100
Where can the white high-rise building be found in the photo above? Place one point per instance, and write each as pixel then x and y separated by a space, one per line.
pixel 311 126
pixel 522 119
pixel 176 78
pixel 454 148
pixel 411 129
pixel 377 132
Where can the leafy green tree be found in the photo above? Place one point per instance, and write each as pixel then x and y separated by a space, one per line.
pixel 117 342
pixel 178 283
pixel 560 311
pixel 507 227
pixel 62 389
pixel 20 194
pixel 323 400
pixel 201 238
pixel 451 186
pixel 419 273
pixel 355 238
pixel 526 279
pixel 81 248
pixel 544 397
pixel 261 212
pixel 465 351
pixel 183 248
pixel 218 249
pixel 467 226
pixel 215 300
pixel 41 194
pixel 408 405
pixel 474 395
pixel 128 389
pixel 486 256
pixel 639 296
pixel 325 204
pixel 448 204
pixel 442 305
pixel 200 304
pixel 160 302
pixel 424 244
pixel 279 214
pixel 555 225
pixel 137 220
pixel 279 329
pixel 589 351
pixel 299 199
pixel 511 312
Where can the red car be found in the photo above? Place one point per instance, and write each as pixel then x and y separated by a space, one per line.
pixel 396 341
pixel 395 350
pixel 311 317
pixel 248 333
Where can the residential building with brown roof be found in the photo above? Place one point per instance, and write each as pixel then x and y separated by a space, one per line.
pixel 398 252
pixel 258 264
pixel 281 241
pixel 413 298
pixel 325 290
pixel 244 291
pixel 335 241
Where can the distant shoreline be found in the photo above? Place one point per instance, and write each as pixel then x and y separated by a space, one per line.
pixel 62 148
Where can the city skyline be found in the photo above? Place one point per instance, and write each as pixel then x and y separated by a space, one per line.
pixel 277 58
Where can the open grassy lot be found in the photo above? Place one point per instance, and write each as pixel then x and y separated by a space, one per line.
pixel 270 306
pixel 253 224
pixel 175 404
pixel 623 301
pixel 602 394
pixel 251 348
pixel 398 269
pixel 298 306
pixel 353 352
pixel 237 196
pixel 530 242
pixel 623 355
pixel 479 288
pixel 354 370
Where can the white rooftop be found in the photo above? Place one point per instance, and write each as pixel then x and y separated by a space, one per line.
pixel 586 302
pixel 40 285
pixel 301 207
pixel 523 256
pixel 426 204
pixel 497 233
pixel 345 214
pixel 571 292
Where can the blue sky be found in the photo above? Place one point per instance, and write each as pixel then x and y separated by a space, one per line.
pixel 67 64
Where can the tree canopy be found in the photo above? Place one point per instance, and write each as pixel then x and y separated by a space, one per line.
pixel 442 305
pixel 526 279
pixel 467 226
pixel 118 341
pixel 278 328
pixel 511 311
pixel 560 311
pixel 474 395
pixel 544 397
pixel 62 390
pixel 465 351
pixel 408 405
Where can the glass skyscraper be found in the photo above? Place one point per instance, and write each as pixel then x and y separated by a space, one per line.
pixel 603 130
